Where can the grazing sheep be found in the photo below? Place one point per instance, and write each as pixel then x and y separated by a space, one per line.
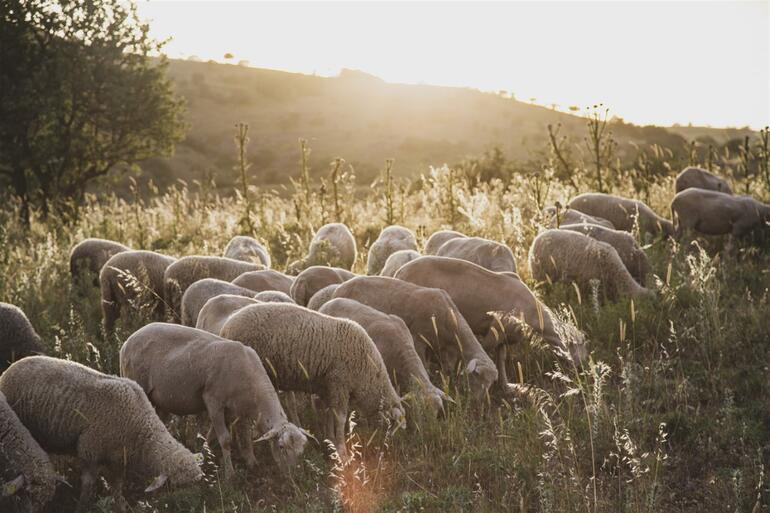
pixel 273 296
pixel 394 342
pixel 186 371
pixel 332 245
pixel 391 239
pixel 437 239
pixel 565 255
pixel 313 279
pixel 106 421
pixel 314 353
pixel 89 256
pixel 484 252
pixel 187 270
pixel 25 469
pixel 695 177
pixel 264 280
pixel 396 260
pixel 556 217
pixel 18 338
pixel 215 312
pixel 201 291
pixel 434 321
pixel 717 213
pixel 133 279
pixel 623 213
pixel 629 251
pixel 321 297
pixel 494 306
pixel 247 249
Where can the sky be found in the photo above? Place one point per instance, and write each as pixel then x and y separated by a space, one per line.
pixel 650 62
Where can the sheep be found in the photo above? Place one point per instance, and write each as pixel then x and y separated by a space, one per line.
pixel 433 320
pixel 18 338
pixel 217 309
pixel 321 297
pixel 394 342
pixel 314 353
pixel 187 270
pixel 106 421
pixel 247 249
pixel 391 239
pixel 132 279
pixel 264 280
pixel 629 251
pixel 556 216
pixel 332 245
pixel 437 239
pixel 695 177
pixel 201 291
pixel 623 213
pixel 273 296
pixel 186 371
pixel 87 257
pixel 717 213
pixel 484 252
pixel 396 260
pixel 25 469
pixel 313 279
pixel 496 306
pixel 565 255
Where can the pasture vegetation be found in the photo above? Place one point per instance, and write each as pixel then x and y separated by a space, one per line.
pixel 670 414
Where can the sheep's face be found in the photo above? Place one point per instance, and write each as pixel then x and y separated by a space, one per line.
pixel 480 378
pixel 287 446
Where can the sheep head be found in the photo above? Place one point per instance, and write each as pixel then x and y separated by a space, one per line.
pixel 287 442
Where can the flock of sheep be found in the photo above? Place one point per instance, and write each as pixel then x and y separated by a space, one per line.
pixel 246 339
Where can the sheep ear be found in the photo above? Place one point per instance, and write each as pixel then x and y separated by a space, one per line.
pixel 267 436
pixel 446 397
pixel 11 487
pixel 308 434
pixel 158 483
pixel 473 366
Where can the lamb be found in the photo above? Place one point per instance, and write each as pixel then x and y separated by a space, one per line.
pixel 88 257
pixel 499 308
pixel 215 312
pixel 556 217
pixel 391 239
pixel 313 279
pixel 433 320
pixel 133 279
pixel 18 338
pixel 264 280
pixel 186 271
pixel 25 469
pixel 437 239
pixel 332 245
pixel 484 252
pixel 314 353
pixel 273 296
pixel 717 213
pixel 201 291
pixel 394 342
pixel 396 260
pixel 623 213
pixel 186 371
pixel 247 249
pixel 629 251
pixel 695 177
pixel 106 421
pixel 565 255
pixel 321 297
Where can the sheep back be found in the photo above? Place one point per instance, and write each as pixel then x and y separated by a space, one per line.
pixel 18 338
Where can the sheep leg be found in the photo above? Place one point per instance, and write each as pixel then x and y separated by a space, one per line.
pixel 502 374
pixel 338 416
pixel 87 483
pixel 217 416
pixel 245 442
pixel 116 484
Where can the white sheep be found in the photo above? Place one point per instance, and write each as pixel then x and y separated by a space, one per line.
pixel 564 255
pixel 201 291
pixel 186 371
pixel 26 471
pixel 247 249
pixel 273 296
pixel 487 253
pixel 187 270
pixel 437 239
pixel 106 421
pixel 313 279
pixel 695 177
pixel 333 245
pixel 17 336
pixel 396 260
pixel 321 297
pixel 215 312
pixel 623 213
pixel 88 256
pixel 391 239
pixel 265 280
pixel 133 280
pixel 434 322
pixel 557 216
pixel 314 353
pixel 717 213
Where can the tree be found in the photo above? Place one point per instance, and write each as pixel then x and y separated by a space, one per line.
pixel 80 95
